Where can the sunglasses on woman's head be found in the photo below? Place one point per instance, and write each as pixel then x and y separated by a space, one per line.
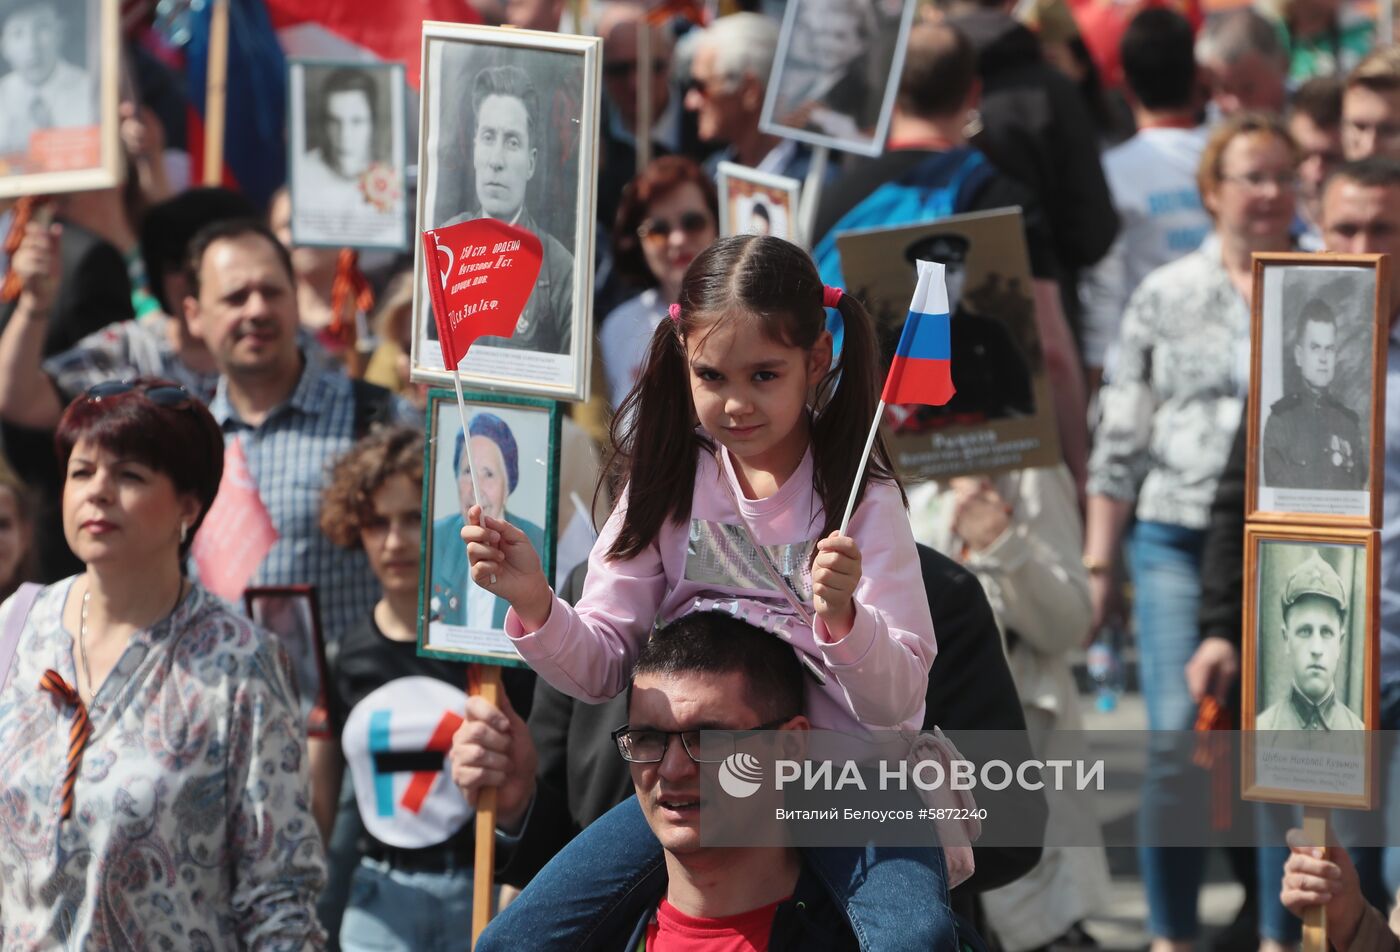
pixel 167 395
pixel 657 231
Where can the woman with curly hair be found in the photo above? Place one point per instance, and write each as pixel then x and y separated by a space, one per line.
pixel 395 713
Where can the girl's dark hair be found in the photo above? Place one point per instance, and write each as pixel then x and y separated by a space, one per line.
pixel 774 283
pixel 184 443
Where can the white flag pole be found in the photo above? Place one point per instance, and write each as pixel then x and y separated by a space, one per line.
pixel 864 459
pixel 930 297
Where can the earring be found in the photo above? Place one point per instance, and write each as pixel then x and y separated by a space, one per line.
pixel 184 532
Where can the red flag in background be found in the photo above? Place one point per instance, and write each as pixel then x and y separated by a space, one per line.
pixel 361 29
pixel 480 275
pixel 237 533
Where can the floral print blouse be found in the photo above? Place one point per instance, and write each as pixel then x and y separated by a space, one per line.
pixel 191 826
pixel 1171 409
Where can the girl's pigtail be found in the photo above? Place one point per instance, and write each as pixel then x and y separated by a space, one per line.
pixel 842 424
pixel 655 444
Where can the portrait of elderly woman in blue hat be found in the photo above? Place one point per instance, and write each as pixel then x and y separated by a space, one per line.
pixel 454 599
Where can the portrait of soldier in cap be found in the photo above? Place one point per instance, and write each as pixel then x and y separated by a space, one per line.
pixel 1311 439
pixel 991 370
pixel 1314 604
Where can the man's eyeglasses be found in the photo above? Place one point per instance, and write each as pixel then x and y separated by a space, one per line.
pixel 706 87
pixel 703 747
pixel 657 231
pixel 167 395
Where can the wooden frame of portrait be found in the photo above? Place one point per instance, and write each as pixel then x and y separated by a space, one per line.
pixel 103 170
pixel 1330 507
pixel 484 367
pixel 459 642
pixel 397 127
pixel 1262 781
pixel 789 188
pixel 323 726
pixel 874 144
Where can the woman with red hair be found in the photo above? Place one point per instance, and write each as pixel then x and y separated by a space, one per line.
pixel 669 214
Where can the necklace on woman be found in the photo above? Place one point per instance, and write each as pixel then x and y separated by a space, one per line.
pixel 82 633
pixel 82 643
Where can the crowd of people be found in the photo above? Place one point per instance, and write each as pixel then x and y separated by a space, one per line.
pixel 158 787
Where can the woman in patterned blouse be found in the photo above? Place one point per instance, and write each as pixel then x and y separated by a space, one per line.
pixel 153 783
pixel 1169 413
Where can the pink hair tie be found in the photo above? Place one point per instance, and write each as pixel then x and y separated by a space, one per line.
pixel 675 313
pixel 831 297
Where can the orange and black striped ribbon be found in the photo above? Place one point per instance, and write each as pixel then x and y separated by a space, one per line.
pixel 1213 754
pixel 78 734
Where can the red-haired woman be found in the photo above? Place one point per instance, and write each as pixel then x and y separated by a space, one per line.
pixel 669 214
pixel 153 780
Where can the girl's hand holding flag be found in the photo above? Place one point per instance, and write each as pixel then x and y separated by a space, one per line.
pixel 835 574
pixel 505 564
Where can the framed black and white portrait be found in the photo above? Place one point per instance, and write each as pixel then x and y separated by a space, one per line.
pixel 757 203
pixel 509 130
pixel 346 155
pixel 292 613
pixel 1310 663
pixel 837 71
pixel 514 444
pixel 58 96
pixel 1317 388
pixel 1002 416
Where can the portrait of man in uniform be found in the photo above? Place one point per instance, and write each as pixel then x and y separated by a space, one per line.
pixel 991 370
pixel 43 85
pixel 1312 440
pixel 1314 641
pixel 505 110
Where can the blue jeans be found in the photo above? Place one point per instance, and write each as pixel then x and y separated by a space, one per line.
pixel 1165 564
pixel 612 873
pixel 395 911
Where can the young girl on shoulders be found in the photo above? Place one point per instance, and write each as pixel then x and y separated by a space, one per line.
pixel 741 513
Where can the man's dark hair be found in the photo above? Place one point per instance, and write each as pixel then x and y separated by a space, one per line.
pixel 346 80
pixel 232 230
pixel 940 67
pixel 1374 171
pixel 1159 60
pixel 169 225
pixel 1314 312
pixel 1320 99
pixel 717 643
pixel 506 81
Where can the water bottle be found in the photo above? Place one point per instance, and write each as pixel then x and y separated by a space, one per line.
pixel 1106 670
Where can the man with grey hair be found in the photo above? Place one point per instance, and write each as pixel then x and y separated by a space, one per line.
pixel 728 82
pixel 1240 52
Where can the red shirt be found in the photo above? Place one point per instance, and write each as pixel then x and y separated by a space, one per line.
pixel 673 931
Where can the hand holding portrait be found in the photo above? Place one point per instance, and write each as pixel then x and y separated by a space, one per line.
pixel 493 748
pixel 1316 876
pixel 36 263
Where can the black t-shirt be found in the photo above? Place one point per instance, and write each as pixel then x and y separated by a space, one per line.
pixel 396 728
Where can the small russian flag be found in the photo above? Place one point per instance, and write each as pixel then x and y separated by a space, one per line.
pixel 922 369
